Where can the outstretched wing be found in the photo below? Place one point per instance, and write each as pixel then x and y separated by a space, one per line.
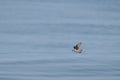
pixel 77 46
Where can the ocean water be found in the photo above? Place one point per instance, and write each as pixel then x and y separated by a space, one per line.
pixel 37 37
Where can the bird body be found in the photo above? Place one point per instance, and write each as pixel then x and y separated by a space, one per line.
pixel 77 48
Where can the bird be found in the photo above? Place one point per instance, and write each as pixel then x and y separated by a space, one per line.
pixel 77 48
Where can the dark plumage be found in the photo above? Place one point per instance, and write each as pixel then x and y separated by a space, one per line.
pixel 77 48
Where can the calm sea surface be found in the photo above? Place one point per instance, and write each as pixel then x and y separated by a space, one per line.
pixel 37 37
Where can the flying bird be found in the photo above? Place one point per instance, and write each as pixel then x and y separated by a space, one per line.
pixel 77 48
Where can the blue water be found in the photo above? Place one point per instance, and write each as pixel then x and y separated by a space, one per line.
pixel 37 37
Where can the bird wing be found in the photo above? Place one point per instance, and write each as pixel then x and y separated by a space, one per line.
pixel 77 46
